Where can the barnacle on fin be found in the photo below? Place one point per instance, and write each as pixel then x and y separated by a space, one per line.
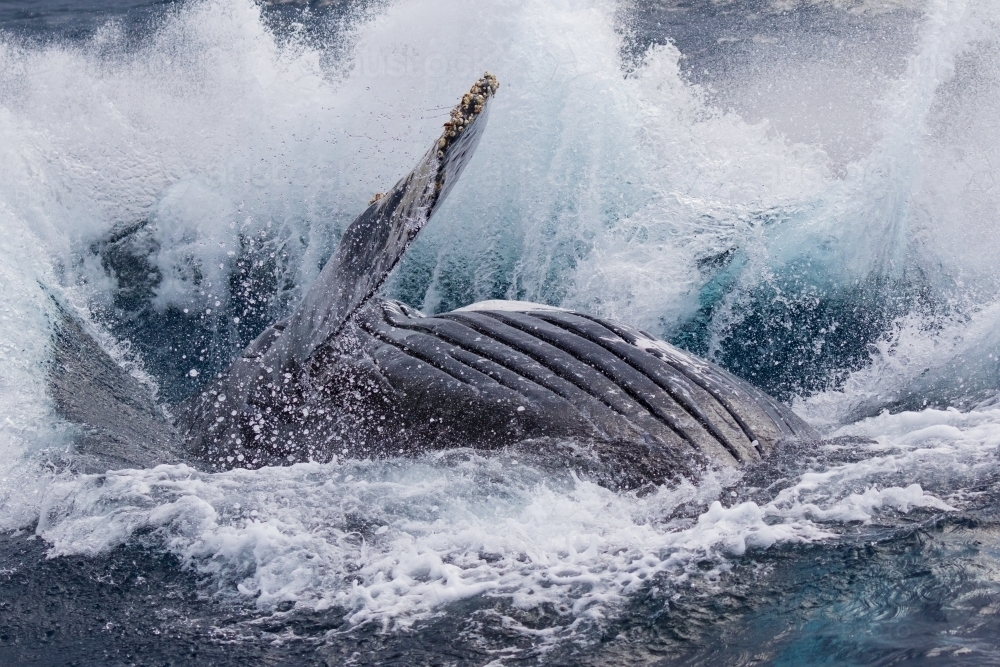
pixel 470 106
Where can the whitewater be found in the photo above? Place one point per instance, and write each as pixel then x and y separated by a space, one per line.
pixel 802 191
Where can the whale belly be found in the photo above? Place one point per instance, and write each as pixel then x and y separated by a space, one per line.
pixel 499 373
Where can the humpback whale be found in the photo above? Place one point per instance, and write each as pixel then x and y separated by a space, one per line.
pixel 350 374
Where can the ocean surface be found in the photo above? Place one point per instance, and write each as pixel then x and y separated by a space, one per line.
pixel 804 191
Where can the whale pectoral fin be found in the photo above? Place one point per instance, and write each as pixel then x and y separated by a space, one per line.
pixel 377 239
pixel 120 425
pixel 368 251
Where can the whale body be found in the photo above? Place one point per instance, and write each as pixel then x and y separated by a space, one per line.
pixel 350 374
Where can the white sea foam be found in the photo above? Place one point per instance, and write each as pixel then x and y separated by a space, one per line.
pixel 399 540
pixel 27 421
pixel 395 541
pixel 923 360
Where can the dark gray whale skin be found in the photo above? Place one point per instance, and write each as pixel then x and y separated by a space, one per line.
pixel 501 374
pixel 349 374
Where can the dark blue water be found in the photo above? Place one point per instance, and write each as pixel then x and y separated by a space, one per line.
pixel 76 20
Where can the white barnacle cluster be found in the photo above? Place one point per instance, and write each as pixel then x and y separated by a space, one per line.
pixel 467 109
